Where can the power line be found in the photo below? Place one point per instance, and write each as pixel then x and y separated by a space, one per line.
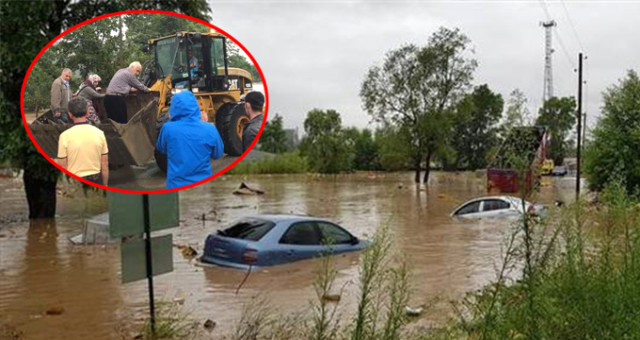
pixel 573 27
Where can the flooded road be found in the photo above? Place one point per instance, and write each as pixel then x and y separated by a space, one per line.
pixel 51 289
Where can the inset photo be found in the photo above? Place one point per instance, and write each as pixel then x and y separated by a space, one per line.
pixel 144 103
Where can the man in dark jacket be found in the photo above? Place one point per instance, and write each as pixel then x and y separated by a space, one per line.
pixel 60 96
pixel 253 103
pixel 188 142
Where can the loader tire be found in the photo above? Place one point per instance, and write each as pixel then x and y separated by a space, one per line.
pixel 230 121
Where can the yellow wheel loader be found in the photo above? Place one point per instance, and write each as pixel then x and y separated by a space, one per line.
pixel 185 61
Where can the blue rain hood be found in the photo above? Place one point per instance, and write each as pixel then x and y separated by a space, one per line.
pixel 184 106
pixel 188 142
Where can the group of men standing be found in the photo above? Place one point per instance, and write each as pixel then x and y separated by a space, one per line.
pixel 82 149
pixel 188 140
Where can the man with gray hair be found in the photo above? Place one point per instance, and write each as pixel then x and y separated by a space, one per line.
pixel 60 96
pixel 123 82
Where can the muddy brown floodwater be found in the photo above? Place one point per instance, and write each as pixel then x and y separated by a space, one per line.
pixel 51 289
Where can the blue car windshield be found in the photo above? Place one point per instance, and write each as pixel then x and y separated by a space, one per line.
pixel 248 229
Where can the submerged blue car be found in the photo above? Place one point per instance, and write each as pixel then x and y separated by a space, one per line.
pixel 266 240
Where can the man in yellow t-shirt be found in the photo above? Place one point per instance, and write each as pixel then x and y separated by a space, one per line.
pixel 82 149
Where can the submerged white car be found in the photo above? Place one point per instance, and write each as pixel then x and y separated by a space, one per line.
pixel 496 206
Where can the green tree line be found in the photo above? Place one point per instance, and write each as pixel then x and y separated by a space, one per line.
pixel 109 44
pixel 430 115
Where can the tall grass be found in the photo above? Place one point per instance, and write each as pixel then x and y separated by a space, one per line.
pixel 287 163
pixel 171 322
pixel 585 282
pixel 383 295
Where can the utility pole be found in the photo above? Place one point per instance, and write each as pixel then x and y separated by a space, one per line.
pixel 579 119
pixel 547 91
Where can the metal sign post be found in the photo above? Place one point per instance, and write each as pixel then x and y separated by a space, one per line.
pixel 134 217
pixel 147 244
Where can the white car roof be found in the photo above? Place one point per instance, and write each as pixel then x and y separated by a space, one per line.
pixel 511 199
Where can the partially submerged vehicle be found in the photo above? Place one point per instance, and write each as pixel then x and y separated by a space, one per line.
pixel 266 240
pixel 497 207
pixel 218 88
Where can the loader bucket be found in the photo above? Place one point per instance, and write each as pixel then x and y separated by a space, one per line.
pixel 132 143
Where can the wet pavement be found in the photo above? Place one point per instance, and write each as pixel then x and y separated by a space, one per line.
pixel 51 289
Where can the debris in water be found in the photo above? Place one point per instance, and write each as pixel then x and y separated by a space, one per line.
pixel 331 297
pixel 413 311
pixel 187 251
pixel 244 189
pixel 55 311
pixel 209 325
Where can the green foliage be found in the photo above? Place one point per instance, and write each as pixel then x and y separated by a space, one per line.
pixel 326 145
pixel 616 138
pixel 474 127
pixel 393 145
pixel 286 163
pixel 273 138
pixel 516 114
pixel 558 114
pixel 365 149
pixel 27 26
pixel 416 88
pixel 237 59
pixel 583 280
pixel 171 322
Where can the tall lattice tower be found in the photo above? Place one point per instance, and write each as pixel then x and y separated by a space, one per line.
pixel 547 91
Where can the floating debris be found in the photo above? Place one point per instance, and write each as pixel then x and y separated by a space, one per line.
pixel 55 311
pixel 331 297
pixel 409 311
pixel 187 251
pixel 244 189
pixel 209 325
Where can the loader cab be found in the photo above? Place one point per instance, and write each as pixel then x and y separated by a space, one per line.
pixel 195 61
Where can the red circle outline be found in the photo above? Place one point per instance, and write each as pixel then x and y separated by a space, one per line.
pixel 44 49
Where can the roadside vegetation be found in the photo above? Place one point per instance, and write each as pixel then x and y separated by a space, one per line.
pixel 286 163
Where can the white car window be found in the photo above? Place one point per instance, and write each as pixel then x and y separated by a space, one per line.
pixel 469 208
pixel 495 204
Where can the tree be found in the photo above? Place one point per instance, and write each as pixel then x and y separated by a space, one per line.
pixel 236 59
pixel 273 138
pixel 416 89
pixel 613 154
pixel 26 27
pixel 365 149
pixel 517 113
pixel 391 142
pixel 474 128
pixel 558 115
pixel 325 144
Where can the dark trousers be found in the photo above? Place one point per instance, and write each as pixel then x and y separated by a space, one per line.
pixel 97 178
pixel 116 108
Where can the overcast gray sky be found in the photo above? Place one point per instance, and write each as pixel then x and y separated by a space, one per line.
pixel 316 54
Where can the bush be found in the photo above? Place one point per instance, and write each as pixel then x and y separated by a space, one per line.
pixel 616 139
pixel 287 163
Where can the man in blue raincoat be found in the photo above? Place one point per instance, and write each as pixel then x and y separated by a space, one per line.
pixel 188 142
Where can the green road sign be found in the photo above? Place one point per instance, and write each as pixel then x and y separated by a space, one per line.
pixel 126 216
pixel 134 261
